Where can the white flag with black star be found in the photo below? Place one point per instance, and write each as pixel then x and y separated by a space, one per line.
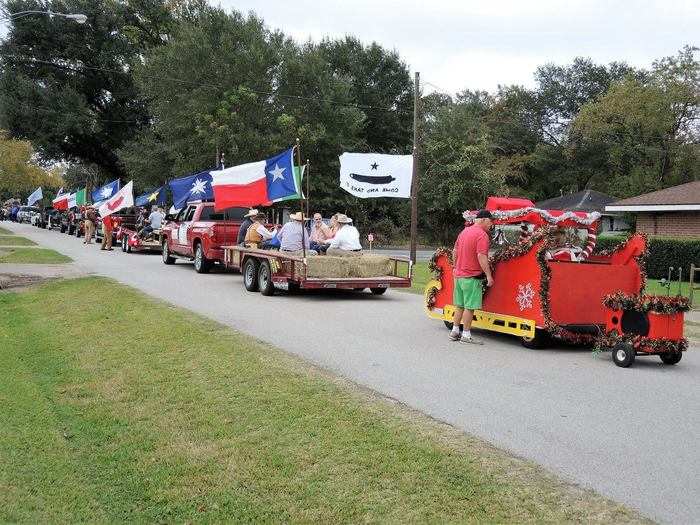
pixel 369 175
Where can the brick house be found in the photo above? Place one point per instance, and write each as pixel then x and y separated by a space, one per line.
pixel 672 212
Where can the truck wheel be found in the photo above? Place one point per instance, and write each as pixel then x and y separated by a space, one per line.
pixel 124 243
pixel 623 355
pixel 267 287
pixel 378 291
pixel 671 358
pixel 201 263
pixel 540 340
pixel 166 254
pixel 250 274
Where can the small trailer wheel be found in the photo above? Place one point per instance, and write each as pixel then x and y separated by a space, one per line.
pixel 265 283
pixel 671 358
pixel 378 291
pixel 623 355
pixel 250 274
pixel 124 243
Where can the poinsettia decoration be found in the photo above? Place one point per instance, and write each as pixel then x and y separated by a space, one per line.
pixel 647 303
pixel 642 343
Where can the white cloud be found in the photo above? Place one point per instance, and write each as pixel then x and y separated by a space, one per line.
pixel 480 44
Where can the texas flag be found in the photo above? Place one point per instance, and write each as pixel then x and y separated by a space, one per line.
pixel 124 198
pixel 61 200
pixel 256 183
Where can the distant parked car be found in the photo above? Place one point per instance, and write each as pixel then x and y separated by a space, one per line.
pixel 25 213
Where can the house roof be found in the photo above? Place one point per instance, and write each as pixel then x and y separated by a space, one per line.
pixel 677 198
pixel 586 200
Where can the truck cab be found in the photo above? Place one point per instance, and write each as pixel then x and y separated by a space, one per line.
pixel 198 232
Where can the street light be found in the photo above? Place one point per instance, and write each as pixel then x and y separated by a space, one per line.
pixel 76 17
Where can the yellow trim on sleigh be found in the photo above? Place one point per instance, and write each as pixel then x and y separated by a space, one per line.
pixel 505 324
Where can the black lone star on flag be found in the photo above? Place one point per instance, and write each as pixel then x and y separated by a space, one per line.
pixel 374 165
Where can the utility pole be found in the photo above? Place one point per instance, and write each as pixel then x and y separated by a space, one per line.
pixel 416 161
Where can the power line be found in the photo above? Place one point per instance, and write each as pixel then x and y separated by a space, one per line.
pixel 65 113
pixel 218 87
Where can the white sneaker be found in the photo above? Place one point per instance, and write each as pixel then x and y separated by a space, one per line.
pixel 470 340
pixel 454 336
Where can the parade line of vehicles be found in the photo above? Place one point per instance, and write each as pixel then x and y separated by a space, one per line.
pixel 549 284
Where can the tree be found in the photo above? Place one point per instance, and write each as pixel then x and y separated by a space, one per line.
pixel 67 87
pixel 20 175
pixel 644 134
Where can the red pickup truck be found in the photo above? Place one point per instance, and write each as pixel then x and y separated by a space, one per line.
pixel 198 232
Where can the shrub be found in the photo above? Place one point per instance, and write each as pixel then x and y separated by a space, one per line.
pixel 663 253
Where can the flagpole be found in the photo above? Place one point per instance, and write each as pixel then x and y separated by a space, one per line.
pixel 308 195
pixel 416 160
pixel 301 203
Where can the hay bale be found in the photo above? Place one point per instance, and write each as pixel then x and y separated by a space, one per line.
pixel 325 266
pixel 362 266
pixel 369 266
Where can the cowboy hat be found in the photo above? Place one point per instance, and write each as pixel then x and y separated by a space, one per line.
pixel 343 219
pixel 297 217
pixel 251 213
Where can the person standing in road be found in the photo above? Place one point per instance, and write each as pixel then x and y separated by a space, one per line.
pixel 107 228
pixel 90 220
pixel 471 264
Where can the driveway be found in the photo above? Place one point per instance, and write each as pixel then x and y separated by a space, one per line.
pixel 630 434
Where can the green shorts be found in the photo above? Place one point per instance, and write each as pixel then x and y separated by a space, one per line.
pixel 468 292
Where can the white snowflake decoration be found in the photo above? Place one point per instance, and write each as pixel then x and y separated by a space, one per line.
pixel 106 192
pixel 526 293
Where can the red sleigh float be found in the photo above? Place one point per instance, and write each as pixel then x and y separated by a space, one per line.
pixel 542 291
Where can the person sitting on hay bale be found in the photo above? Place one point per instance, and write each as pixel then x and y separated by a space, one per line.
pixel 257 235
pixel 292 236
pixel 346 241
pixel 319 234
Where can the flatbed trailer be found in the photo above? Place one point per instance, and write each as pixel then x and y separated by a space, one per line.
pixel 130 241
pixel 267 270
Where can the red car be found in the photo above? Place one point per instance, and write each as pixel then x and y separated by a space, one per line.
pixel 198 232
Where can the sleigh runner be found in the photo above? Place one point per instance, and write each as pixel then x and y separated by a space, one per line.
pixel 542 290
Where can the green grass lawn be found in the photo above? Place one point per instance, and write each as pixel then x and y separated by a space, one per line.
pixel 180 420
pixel 3 231
pixel 32 256
pixel 14 240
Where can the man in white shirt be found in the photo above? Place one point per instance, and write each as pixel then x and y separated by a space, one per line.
pixel 155 220
pixel 346 241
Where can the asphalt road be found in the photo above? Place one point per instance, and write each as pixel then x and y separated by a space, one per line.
pixel 630 434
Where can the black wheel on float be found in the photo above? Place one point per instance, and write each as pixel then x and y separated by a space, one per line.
pixel 250 274
pixel 623 355
pixel 265 283
pixel 62 229
pixel 378 291
pixel 201 263
pixel 541 339
pixel 166 254
pixel 124 243
pixel 671 358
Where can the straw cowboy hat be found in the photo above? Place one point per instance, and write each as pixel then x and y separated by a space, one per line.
pixel 297 217
pixel 251 213
pixel 343 219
